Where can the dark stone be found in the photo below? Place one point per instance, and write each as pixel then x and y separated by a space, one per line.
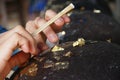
pixel 89 5
pixel 92 26
pixel 93 61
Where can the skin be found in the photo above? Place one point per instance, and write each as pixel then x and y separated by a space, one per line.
pixel 21 38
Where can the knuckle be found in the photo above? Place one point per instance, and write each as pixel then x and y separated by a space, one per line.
pixel 15 35
pixel 40 22
pixel 19 28
pixel 29 23
pixel 48 11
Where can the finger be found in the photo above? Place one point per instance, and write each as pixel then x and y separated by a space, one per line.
pixel 59 22
pixel 27 35
pixel 10 45
pixel 66 18
pixel 50 14
pixel 40 38
pixel 41 44
pixel 31 26
pixel 23 32
pixel 50 34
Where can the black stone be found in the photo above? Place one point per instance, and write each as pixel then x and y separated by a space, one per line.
pixel 92 26
pixel 93 61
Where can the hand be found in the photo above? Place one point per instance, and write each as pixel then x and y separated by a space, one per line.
pixel 49 32
pixel 18 37
pixel 9 41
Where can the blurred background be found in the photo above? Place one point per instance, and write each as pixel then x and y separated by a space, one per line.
pixel 14 12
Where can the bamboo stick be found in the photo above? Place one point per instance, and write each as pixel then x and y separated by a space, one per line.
pixel 64 11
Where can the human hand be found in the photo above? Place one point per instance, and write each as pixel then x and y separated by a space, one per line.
pixel 9 41
pixel 19 35
pixel 49 32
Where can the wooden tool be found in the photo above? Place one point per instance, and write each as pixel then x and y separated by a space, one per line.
pixel 64 11
pixel 42 27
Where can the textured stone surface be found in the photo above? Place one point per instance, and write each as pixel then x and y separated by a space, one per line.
pixel 92 26
pixel 93 61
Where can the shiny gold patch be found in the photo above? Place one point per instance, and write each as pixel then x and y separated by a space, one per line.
pixel 79 42
pixel 30 70
pixel 61 65
pixel 57 48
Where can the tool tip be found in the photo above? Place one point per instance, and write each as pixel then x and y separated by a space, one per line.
pixel 71 4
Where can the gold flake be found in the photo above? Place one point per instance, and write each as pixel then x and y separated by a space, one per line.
pixel 68 54
pixel 48 64
pixel 41 59
pixel 57 48
pixel 61 65
pixel 79 42
pixel 57 58
pixel 109 40
pixel 30 70
pixel 56 55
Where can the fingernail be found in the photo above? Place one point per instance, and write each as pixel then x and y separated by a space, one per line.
pixel 59 20
pixel 53 38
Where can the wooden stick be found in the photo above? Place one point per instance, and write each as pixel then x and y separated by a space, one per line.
pixel 64 11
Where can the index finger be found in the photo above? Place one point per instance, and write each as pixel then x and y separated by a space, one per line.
pixel 59 22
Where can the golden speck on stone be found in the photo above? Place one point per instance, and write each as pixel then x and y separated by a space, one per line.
pixel 41 59
pixel 48 64
pixel 79 42
pixel 109 40
pixel 30 70
pixel 68 54
pixel 57 48
pixel 61 65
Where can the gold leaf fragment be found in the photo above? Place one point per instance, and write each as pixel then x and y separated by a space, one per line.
pixel 109 40
pixel 79 42
pixel 48 64
pixel 68 54
pixel 61 65
pixel 57 48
